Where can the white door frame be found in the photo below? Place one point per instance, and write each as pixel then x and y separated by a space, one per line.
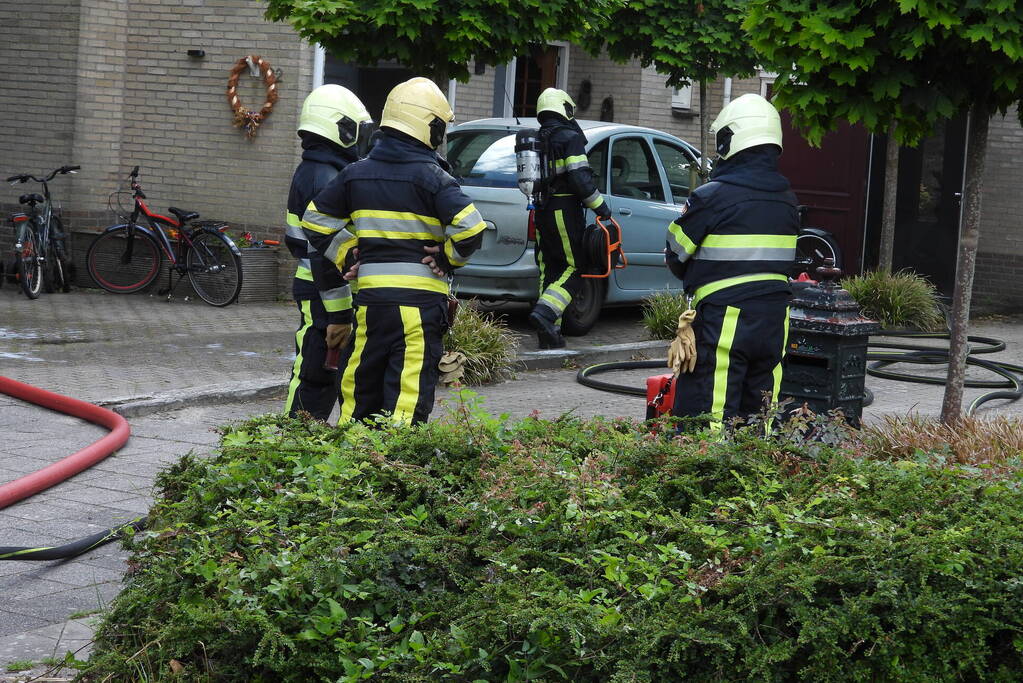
pixel 561 79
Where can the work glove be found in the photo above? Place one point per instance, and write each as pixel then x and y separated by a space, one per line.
pixel 337 335
pixel 603 211
pixel 682 352
pixel 451 366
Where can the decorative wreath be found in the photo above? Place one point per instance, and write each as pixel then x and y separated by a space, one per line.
pixel 243 118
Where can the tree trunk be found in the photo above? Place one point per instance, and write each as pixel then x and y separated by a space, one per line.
pixel 951 407
pixel 704 154
pixel 891 188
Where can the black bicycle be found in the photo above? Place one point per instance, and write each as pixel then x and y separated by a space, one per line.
pixel 40 244
pixel 126 258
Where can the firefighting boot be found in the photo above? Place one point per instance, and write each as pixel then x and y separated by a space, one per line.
pixel 544 321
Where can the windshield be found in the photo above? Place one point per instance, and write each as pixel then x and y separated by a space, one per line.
pixel 483 158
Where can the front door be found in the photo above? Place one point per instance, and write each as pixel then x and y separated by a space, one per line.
pixel 534 73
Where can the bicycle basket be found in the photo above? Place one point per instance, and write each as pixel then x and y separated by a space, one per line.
pixel 121 204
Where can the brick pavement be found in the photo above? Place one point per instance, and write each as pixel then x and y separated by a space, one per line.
pixel 96 346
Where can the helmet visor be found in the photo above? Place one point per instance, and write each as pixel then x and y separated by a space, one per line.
pixel 364 141
pixel 438 128
pixel 351 132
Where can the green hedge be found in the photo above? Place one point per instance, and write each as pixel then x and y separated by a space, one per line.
pixel 566 550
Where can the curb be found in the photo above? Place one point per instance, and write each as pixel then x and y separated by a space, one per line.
pixel 553 359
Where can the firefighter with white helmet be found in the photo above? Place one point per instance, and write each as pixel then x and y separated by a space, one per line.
pixel 335 129
pixel 733 247
pixel 560 222
pixel 394 209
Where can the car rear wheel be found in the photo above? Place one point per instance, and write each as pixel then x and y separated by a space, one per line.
pixel 584 311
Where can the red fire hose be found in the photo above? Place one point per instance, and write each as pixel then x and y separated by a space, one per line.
pixel 76 462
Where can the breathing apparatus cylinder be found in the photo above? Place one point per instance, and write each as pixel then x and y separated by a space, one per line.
pixel 529 165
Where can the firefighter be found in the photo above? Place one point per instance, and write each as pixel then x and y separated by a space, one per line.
pixel 733 247
pixel 560 222
pixel 335 129
pixel 394 208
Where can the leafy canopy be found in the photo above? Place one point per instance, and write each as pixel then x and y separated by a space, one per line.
pixel 911 62
pixel 684 39
pixel 437 37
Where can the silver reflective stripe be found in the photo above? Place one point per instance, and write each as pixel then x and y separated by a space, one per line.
pixel 334 248
pixel 417 269
pixel 471 221
pixel 745 254
pixel 593 200
pixel 295 232
pixel 323 220
pixel 342 292
pixel 304 263
pixel 397 225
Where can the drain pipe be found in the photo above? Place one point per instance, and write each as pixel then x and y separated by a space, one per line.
pixel 71 465
pixel 728 92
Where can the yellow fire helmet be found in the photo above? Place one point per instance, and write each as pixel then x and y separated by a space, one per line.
pixel 334 112
pixel 418 108
pixel 557 101
pixel 745 122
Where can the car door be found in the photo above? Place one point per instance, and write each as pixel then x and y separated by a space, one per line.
pixel 637 194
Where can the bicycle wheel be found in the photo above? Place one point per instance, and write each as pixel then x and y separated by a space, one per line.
pixel 813 246
pixel 214 269
pixel 29 268
pixel 123 263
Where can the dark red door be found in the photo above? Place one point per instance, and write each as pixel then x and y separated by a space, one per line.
pixel 831 181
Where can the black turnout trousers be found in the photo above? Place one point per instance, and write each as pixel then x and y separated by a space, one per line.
pixel 390 362
pixel 559 232
pixel 312 388
pixel 739 352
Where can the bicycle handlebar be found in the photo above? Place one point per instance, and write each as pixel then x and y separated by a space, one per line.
pixel 25 177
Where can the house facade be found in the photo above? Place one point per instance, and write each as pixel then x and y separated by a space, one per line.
pixel 109 84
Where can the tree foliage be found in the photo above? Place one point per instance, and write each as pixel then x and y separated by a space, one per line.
pixel 909 62
pixel 686 40
pixel 437 37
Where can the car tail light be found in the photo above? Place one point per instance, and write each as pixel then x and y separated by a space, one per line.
pixel 531 230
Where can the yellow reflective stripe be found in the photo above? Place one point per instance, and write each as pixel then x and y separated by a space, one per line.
pixel 708 289
pixel 348 379
pixel 750 241
pixel 576 160
pixel 303 273
pixel 335 305
pixel 395 215
pixel 776 375
pixel 395 235
pixel 307 321
pixel 559 218
pixel 722 360
pixel 594 200
pixel 412 364
pixel 405 281
pixel 293 219
pixel 454 258
pixel 556 305
pixel 469 232
pixel 681 238
pixel 337 252
pixel 461 215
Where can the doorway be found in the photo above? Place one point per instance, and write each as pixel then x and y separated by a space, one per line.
pixel 371 83
pixel 927 207
pixel 534 73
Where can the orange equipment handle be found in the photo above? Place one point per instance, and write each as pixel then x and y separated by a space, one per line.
pixel 612 247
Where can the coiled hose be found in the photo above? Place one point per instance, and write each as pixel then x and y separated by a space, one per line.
pixel 1009 387
pixel 53 474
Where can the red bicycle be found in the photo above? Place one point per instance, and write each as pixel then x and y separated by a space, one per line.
pixel 126 258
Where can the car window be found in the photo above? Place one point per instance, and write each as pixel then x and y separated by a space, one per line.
pixel 633 170
pixel 597 157
pixel 483 158
pixel 680 169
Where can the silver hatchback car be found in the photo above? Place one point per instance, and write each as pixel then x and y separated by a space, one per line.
pixel 645 176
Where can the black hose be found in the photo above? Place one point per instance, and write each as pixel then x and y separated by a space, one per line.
pixel 73 549
pixel 1009 387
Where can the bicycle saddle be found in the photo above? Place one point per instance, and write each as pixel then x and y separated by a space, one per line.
pixel 31 199
pixel 183 216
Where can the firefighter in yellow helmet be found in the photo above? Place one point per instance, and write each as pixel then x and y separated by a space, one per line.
pixel 394 209
pixel 561 221
pixel 335 129
pixel 733 247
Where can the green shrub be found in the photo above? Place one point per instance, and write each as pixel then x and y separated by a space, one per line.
pixel 660 313
pixel 481 550
pixel 486 341
pixel 897 300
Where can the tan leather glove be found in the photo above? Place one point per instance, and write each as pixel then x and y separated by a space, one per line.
pixel 682 352
pixel 451 366
pixel 337 335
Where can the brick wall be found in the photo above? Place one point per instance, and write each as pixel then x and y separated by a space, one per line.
pixel 618 81
pixel 1000 252
pixel 475 99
